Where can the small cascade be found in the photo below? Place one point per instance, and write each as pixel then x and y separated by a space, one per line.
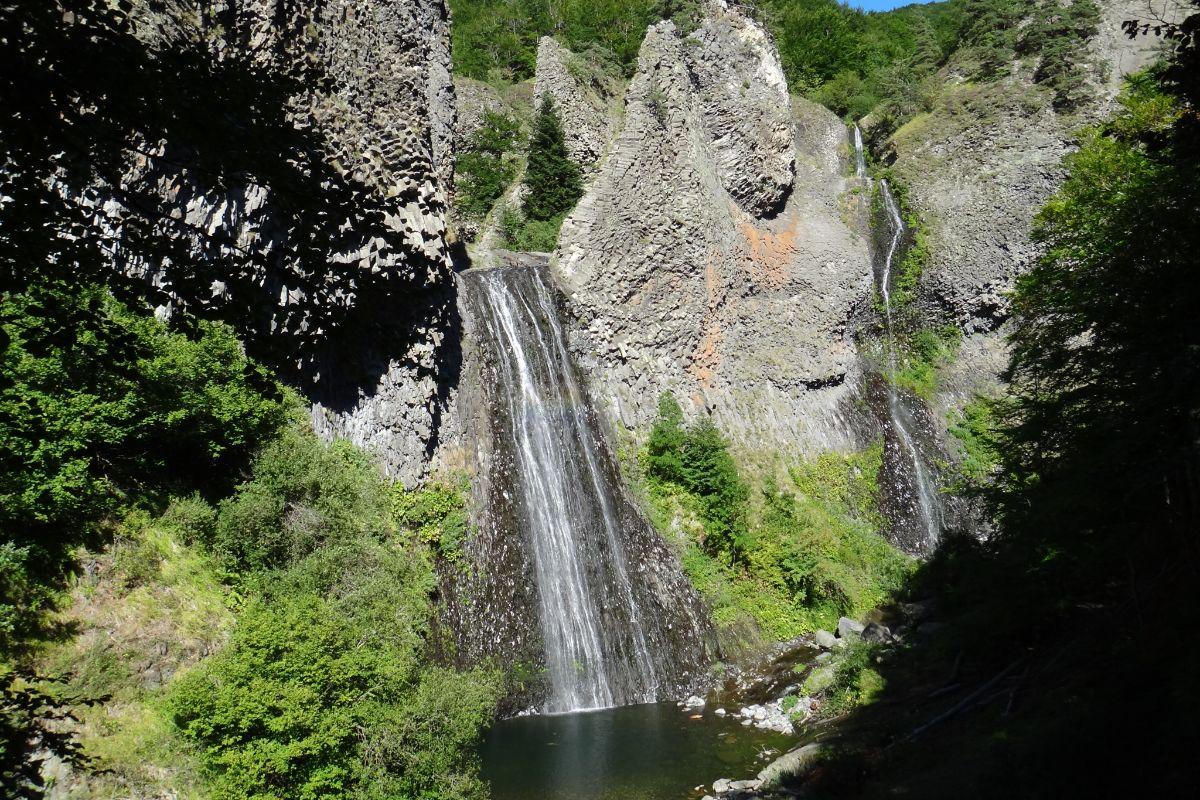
pixel 611 631
pixel 920 523
pixel 860 161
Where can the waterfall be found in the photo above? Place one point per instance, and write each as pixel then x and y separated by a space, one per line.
pixel 601 645
pixel 860 162
pixel 924 504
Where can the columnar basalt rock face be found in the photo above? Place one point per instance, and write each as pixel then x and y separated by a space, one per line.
pixel 744 107
pixel 678 286
pixel 356 305
pixel 583 105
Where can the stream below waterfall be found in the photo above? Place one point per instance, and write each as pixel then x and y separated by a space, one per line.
pixel 654 751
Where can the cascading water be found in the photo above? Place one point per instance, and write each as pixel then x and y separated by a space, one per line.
pixel 860 161
pixel 923 505
pixel 610 628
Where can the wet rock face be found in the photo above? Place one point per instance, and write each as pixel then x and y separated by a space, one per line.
pixel 582 98
pixel 343 284
pixel 566 581
pixel 675 280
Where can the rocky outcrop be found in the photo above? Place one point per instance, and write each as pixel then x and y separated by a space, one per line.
pixel 718 252
pixel 582 94
pixel 472 101
pixel 983 161
pixel 743 104
pixel 328 253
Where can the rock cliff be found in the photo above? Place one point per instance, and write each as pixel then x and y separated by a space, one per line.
pixel 719 253
pixel 978 167
pixel 330 256
pixel 985 158
pixel 583 96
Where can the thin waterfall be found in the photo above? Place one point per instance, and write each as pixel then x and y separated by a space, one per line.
pixel 607 621
pixel 926 508
pixel 860 161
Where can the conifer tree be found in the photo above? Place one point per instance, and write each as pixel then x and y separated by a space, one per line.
pixel 553 181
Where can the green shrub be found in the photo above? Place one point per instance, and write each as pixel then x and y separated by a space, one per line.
pixel 192 518
pixel 483 169
pixel 437 513
pixel 321 691
pixel 856 679
pixel 553 181
pixel 809 553
pixel 697 459
pixel 922 353
pixel 528 235
pixel 975 430
pixel 103 407
pixel 304 495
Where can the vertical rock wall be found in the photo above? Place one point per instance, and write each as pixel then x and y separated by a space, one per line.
pixel 718 252
pixel 356 305
pixel 582 96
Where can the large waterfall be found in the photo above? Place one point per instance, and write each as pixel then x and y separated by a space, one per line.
pixel 919 524
pixel 612 609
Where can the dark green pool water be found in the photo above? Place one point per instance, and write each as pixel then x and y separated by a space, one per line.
pixel 648 752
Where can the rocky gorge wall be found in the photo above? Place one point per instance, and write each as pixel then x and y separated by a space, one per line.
pixel 980 164
pixel 329 258
pixel 719 252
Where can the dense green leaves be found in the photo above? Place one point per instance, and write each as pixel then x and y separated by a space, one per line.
pixel 304 496
pixel 484 168
pixel 101 407
pixel 697 459
pixel 324 690
pixel 552 180
pixel 553 184
pixel 498 38
pixel 1106 357
pixel 797 554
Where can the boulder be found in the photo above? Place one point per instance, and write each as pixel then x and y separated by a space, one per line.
pixel 876 633
pixel 825 639
pixel 818 680
pixel 848 628
pixel 721 785
pixel 791 764
pixel 745 786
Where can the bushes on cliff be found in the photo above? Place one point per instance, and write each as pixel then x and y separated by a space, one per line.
pixel 101 408
pixel 484 168
pixel 553 185
pixel 553 182
pixel 316 699
pixel 805 553
pixel 324 690
pixel 697 459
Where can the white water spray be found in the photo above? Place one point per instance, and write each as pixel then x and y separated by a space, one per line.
pixel 928 505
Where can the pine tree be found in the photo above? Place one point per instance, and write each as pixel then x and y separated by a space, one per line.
pixel 553 181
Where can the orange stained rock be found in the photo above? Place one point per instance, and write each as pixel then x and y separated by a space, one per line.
pixel 769 253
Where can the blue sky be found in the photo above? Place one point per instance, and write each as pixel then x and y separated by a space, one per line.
pixel 881 5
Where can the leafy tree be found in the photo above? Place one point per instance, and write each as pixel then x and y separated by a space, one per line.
pixel 481 170
pixel 664 448
pixel 1105 369
pixel 100 408
pixel 304 496
pixel 698 460
pixel 552 180
pixel 1059 35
